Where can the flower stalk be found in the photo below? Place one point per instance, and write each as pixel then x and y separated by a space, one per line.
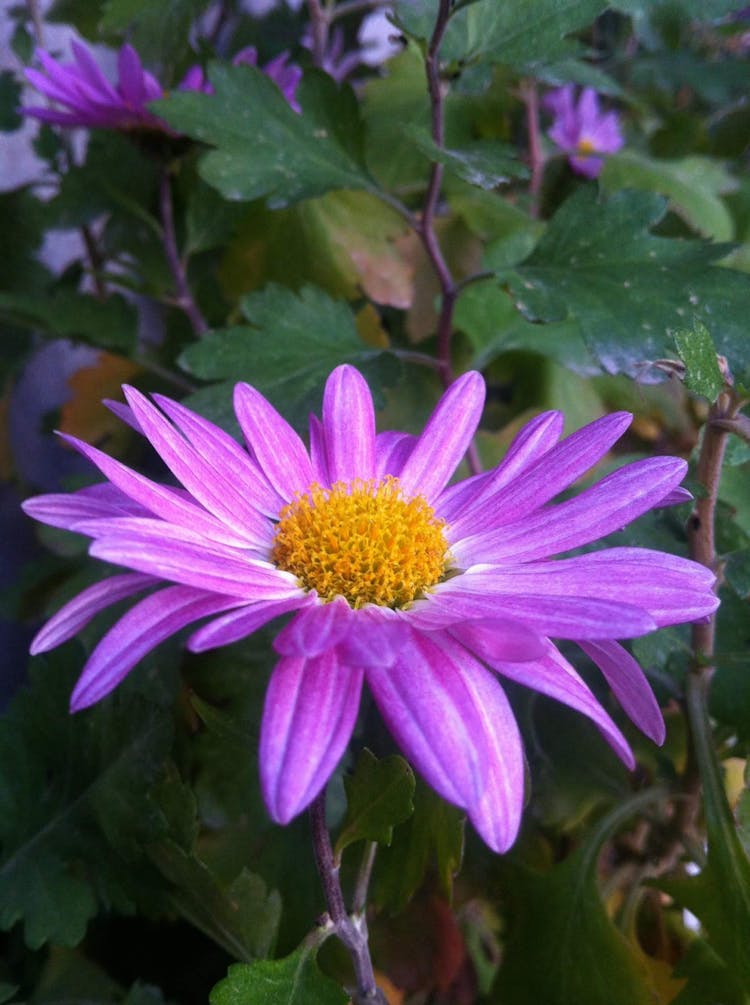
pixel 351 929
pixel 184 297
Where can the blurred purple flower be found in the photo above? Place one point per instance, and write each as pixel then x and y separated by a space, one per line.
pixel 427 591
pixel 88 99
pixel 582 130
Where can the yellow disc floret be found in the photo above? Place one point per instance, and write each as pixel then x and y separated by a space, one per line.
pixel 362 541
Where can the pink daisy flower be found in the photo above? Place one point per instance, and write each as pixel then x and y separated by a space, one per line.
pixel 430 593
pixel 86 98
pixel 582 130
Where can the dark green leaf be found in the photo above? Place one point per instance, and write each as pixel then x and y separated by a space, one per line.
pixel 628 290
pixel 110 323
pixel 68 788
pixel 518 34
pixel 7 991
pixel 295 980
pixel 379 795
pixel 159 31
pixel 561 946
pixel 263 147
pixel 485 163
pixel 698 352
pixel 10 99
pixel 295 342
pixel 432 839
pixel 708 978
pixel 737 572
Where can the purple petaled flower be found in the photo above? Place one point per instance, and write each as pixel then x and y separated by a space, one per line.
pixel 428 592
pixel 88 99
pixel 582 130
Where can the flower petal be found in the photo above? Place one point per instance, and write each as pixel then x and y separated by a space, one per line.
pixel 309 714
pixel 555 471
pixel 671 589
pixel 164 501
pixel 630 686
pixel 391 452
pixel 175 554
pixel 77 613
pixel 554 676
pixel 225 453
pixel 315 630
pixel 60 509
pixel 231 502
pixel 375 638
pixel 529 445
pixel 144 626
pixel 431 712
pixel 445 439
pixel 499 638
pixel 239 624
pixel 280 452
pixel 611 504
pixel 349 425
pixel 468 597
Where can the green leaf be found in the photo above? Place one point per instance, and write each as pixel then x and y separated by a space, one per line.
pixel 295 342
pixel 379 795
pixel 68 789
pixel 243 919
pixel 10 99
pixel 698 352
pixel 708 979
pixel 737 572
pixel 484 163
pixel 628 290
pixel 7 991
pixel 432 839
pixel 263 147
pixel 693 186
pixel 294 980
pixel 109 324
pixel 517 34
pixel 561 946
pixel 159 31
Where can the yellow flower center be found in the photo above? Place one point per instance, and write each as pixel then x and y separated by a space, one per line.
pixel 585 146
pixel 362 541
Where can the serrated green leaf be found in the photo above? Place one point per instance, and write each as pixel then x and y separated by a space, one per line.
pixel 627 289
pixel 517 34
pixel 294 980
pixel 379 795
pixel 263 149
pixel 698 352
pixel 295 342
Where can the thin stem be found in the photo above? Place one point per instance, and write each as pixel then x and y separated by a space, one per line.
pixel 318 31
pixel 184 298
pixel 352 931
pixel 530 97
pixel 359 900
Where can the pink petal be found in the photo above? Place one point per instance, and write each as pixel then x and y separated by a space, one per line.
pixel 163 501
pixel 79 611
pixel 280 452
pixel 468 597
pixel 445 439
pixel 375 638
pixel 309 714
pixel 608 506
pixel 391 452
pixel 630 686
pixel 349 426
pixel 500 639
pixel 555 471
pixel 318 457
pixel 431 712
pixel 315 630
pixel 530 444
pixel 671 589
pixel 239 624
pixel 232 503
pixel 138 632
pixel 175 554
pixel 225 453
pixel 554 676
